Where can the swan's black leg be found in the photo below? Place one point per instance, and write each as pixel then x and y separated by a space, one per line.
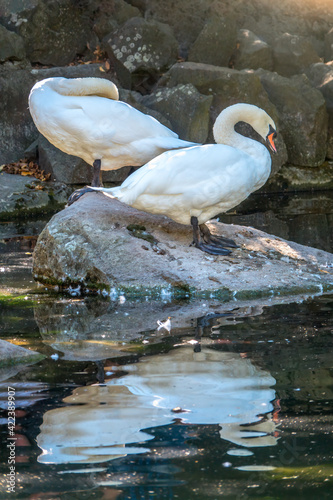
pixel 213 249
pixel 217 240
pixel 100 372
pixel 131 171
pixel 96 180
pixel 78 193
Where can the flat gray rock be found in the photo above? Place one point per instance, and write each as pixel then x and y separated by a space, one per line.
pixel 101 244
pixel 24 195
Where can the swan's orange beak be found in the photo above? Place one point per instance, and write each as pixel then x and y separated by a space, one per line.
pixel 270 139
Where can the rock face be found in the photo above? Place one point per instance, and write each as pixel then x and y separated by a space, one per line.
pixel 215 43
pixel 251 52
pixel 219 45
pixel 293 54
pixel 99 243
pixel 141 45
pixel 54 32
pixel 71 169
pixel 321 77
pixel 186 109
pixel 294 97
pixel 11 46
pixel 27 196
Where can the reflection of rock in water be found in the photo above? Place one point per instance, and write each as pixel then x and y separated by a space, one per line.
pixel 122 322
pixel 214 387
pixel 82 330
pixel 96 329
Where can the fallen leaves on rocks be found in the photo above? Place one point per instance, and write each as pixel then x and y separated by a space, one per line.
pixel 27 168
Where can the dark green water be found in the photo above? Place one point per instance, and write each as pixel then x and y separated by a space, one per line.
pixel 234 402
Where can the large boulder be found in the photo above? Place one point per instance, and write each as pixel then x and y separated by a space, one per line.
pixel 215 43
pixel 268 20
pixel 227 86
pixel 321 77
pixel 141 46
pixel 304 18
pixel 101 244
pixel 293 54
pixel 251 52
pixel 54 32
pixel 295 98
pixel 186 109
pixel 17 128
pixel 187 19
pixel 111 14
pixel 11 46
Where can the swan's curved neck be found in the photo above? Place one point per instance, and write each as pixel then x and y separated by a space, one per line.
pixel 224 128
pixel 85 86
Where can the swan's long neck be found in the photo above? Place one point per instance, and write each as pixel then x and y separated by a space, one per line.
pixel 224 128
pixel 84 86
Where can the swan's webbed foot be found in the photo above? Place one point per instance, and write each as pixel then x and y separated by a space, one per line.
pixel 78 193
pixel 209 238
pixel 212 247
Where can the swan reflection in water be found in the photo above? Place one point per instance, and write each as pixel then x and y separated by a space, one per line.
pixel 207 387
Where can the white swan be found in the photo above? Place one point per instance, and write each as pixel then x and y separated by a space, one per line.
pixel 195 184
pixel 83 117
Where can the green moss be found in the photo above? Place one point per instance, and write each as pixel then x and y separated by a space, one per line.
pixel 87 287
pixel 283 290
pixel 34 358
pixel 315 473
pixel 23 212
pixel 139 231
pixel 179 289
pixel 16 301
pixel 136 227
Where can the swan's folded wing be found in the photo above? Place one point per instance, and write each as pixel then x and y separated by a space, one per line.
pixel 211 168
pixel 108 120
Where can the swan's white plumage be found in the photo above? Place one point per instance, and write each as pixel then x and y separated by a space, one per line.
pixel 203 181
pixel 83 117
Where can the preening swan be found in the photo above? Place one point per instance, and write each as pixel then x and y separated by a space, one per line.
pixel 195 184
pixel 83 117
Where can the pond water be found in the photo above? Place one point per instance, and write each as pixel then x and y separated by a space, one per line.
pixel 227 400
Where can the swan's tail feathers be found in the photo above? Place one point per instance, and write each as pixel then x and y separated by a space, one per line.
pixel 110 192
pixel 167 143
